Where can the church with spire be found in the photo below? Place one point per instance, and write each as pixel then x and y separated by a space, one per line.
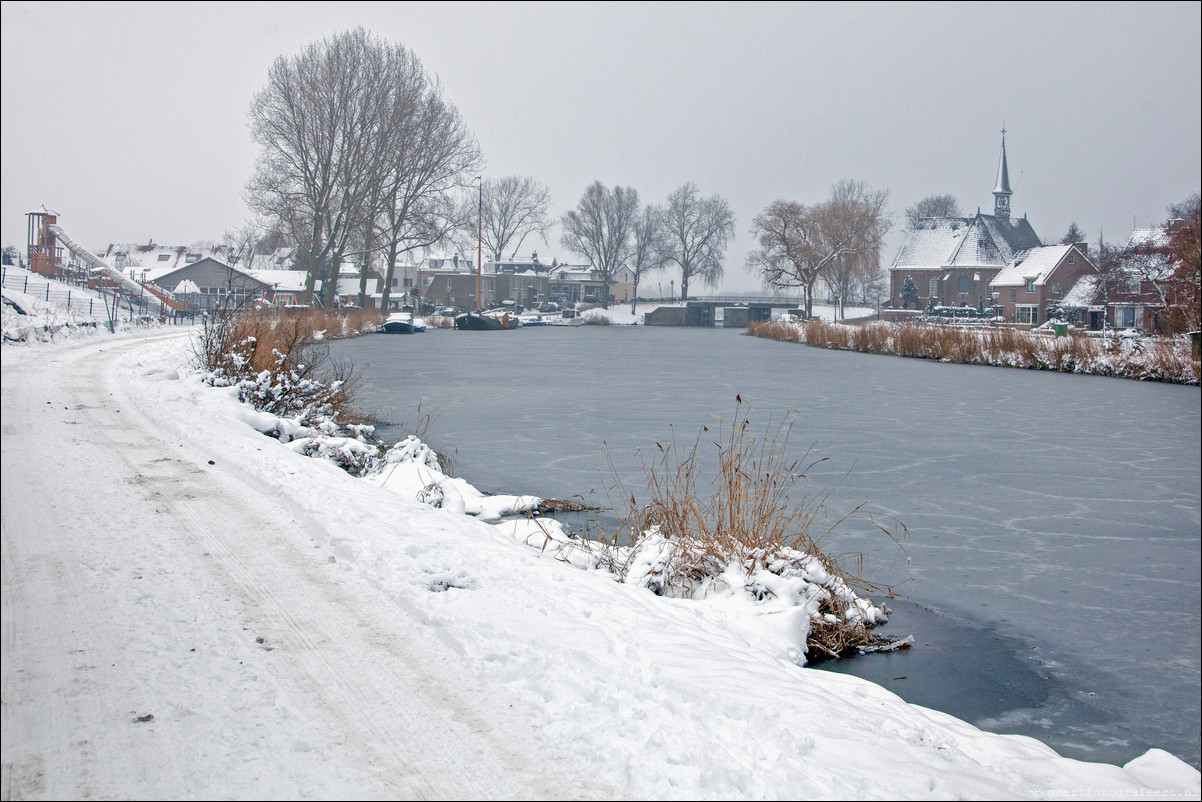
pixel 952 260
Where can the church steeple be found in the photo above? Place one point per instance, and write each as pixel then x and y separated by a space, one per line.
pixel 1001 190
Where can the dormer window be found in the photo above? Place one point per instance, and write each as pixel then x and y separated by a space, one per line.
pixel 1030 285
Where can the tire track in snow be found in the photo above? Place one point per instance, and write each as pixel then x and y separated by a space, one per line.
pixel 332 656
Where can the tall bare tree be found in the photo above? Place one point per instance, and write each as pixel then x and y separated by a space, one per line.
pixel 854 221
pixel 836 240
pixel 791 253
pixel 600 228
pixel 428 178
pixel 932 206
pixel 646 247
pixel 696 231
pixel 512 208
pixel 327 126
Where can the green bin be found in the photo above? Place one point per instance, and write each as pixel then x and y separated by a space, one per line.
pixel 1061 329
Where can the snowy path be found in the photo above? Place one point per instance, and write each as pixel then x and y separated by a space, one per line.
pixel 296 633
pixel 211 571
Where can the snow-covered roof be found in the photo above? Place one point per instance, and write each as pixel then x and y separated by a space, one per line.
pixel 1155 237
pixel 282 280
pixel 1083 292
pixel 980 241
pixel 1036 263
pixel 151 262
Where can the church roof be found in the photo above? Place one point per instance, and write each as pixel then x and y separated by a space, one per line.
pixel 980 241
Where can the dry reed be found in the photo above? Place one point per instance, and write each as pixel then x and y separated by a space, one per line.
pixel 749 517
pixel 1167 360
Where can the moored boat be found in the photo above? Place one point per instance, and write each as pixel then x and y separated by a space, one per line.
pixel 477 321
pixel 403 323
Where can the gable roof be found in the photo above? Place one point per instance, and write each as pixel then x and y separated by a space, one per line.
pixel 1034 264
pixel 173 277
pixel 1083 292
pixel 1150 238
pixel 980 241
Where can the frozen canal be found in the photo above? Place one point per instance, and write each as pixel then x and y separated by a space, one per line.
pixel 1053 585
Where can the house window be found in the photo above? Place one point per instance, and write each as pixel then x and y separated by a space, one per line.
pixel 163 257
pixel 448 284
pixel 1072 258
pixel 1133 286
pixel 1013 295
pixel 1026 314
pixel 963 285
pixel 1055 287
pixel 1128 316
pixel 934 287
pixel 1030 285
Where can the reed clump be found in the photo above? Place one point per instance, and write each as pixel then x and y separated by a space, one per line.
pixel 744 531
pixel 281 363
pixel 1154 359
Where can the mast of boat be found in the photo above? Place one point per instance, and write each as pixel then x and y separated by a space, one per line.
pixel 480 247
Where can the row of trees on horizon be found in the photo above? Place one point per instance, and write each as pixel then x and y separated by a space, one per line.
pixel 363 157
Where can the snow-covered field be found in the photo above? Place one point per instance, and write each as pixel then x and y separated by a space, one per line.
pixel 192 609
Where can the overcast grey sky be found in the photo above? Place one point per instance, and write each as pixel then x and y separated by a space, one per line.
pixel 130 120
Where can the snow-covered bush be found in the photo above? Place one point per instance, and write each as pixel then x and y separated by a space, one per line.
pixel 281 365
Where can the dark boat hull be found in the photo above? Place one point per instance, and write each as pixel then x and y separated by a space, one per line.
pixel 398 327
pixel 475 322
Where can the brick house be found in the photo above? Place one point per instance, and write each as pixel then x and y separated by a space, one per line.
pixel 952 260
pixel 1036 278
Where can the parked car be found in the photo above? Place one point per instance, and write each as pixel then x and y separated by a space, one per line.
pixel 548 306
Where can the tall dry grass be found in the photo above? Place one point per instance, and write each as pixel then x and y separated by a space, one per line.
pixel 282 363
pixel 749 513
pixel 1167 360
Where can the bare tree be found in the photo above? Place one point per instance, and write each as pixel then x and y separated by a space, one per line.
pixel 599 229
pixel 790 253
pixel 326 124
pixel 423 199
pixel 646 247
pixel 932 206
pixel 512 208
pixel 1185 249
pixel 241 244
pixel 1113 275
pixel 836 240
pixel 854 221
pixel 696 231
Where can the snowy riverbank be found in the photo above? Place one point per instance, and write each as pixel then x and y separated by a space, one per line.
pixel 192 609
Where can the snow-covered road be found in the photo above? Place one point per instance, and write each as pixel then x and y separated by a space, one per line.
pixel 192 610
pixel 141 579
